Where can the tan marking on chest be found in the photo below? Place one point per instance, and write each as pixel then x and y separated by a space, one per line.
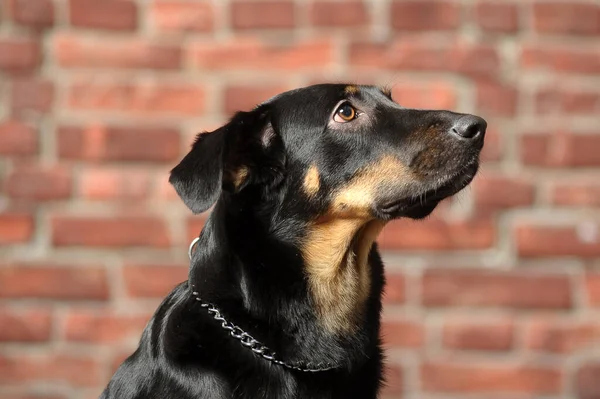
pixel 336 257
pixel 337 246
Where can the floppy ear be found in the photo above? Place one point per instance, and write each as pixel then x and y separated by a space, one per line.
pixel 197 178
pixel 245 151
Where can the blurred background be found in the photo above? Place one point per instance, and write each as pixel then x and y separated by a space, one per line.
pixel 497 295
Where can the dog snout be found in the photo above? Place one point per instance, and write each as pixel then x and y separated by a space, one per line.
pixel 469 127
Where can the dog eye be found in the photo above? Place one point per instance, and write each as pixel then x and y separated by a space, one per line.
pixel 345 113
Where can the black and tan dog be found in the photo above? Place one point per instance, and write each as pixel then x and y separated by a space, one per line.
pixel 284 292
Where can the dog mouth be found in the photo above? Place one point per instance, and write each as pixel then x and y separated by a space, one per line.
pixel 423 203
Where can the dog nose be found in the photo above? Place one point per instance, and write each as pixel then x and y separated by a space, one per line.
pixel 470 127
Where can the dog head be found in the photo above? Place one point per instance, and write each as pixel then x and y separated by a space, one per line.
pixel 348 151
pixel 323 169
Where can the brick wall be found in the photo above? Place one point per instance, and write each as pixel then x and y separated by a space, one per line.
pixel 495 296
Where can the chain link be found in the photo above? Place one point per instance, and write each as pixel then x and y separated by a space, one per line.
pixel 256 346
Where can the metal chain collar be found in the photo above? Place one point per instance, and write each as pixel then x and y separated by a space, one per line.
pixel 255 346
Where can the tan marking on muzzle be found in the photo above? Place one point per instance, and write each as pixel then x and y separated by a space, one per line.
pixel 357 198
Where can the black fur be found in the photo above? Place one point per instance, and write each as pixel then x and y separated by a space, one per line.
pixel 249 260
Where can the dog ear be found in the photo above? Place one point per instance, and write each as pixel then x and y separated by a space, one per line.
pixel 246 151
pixel 197 178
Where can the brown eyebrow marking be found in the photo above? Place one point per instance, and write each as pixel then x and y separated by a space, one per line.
pixel 386 90
pixel 352 89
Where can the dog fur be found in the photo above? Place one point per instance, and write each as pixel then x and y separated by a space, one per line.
pixel 300 188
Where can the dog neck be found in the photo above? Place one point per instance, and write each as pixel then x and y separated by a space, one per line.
pixel 241 264
pixel 336 256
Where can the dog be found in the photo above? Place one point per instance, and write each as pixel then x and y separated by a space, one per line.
pixel 283 298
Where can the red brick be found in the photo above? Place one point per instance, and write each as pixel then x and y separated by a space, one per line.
pixel 102 183
pixel 443 287
pixel 39 183
pixel 119 143
pixel 75 52
pixel 165 191
pixel 561 59
pixel 148 99
pixel 402 333
pixel 53 282
pixel 395 288
pixel 91 326
pixel 152 281
pixel 542 240
pixel 244 97
pixel 576 192
pixel 494 16
pixel 32 95
pixel 253 55
pixel 425 95
pixel 105 14
pixel 182 16
pixel 427 15
pixel 125 231
pixel 37 14
pixel 567 17
pixel 117 359
pixel 592 287
pixel 535 149
pixel 490 378
pixel 15 228
pixel 33 396
pixel 494 335
pixel 17 139
pixel 25 325
pixel 437 235
pixel 80 371
pixel 394 381
pixel 561 337
pixel 494 192
pixel 586 381
pixel 552 101
pixel 493 150
pixel 333 14
pixel 262 14
pixel 195 224
pixel 560 149
pixel 19 55
pixel 496 99
pixel 426 55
